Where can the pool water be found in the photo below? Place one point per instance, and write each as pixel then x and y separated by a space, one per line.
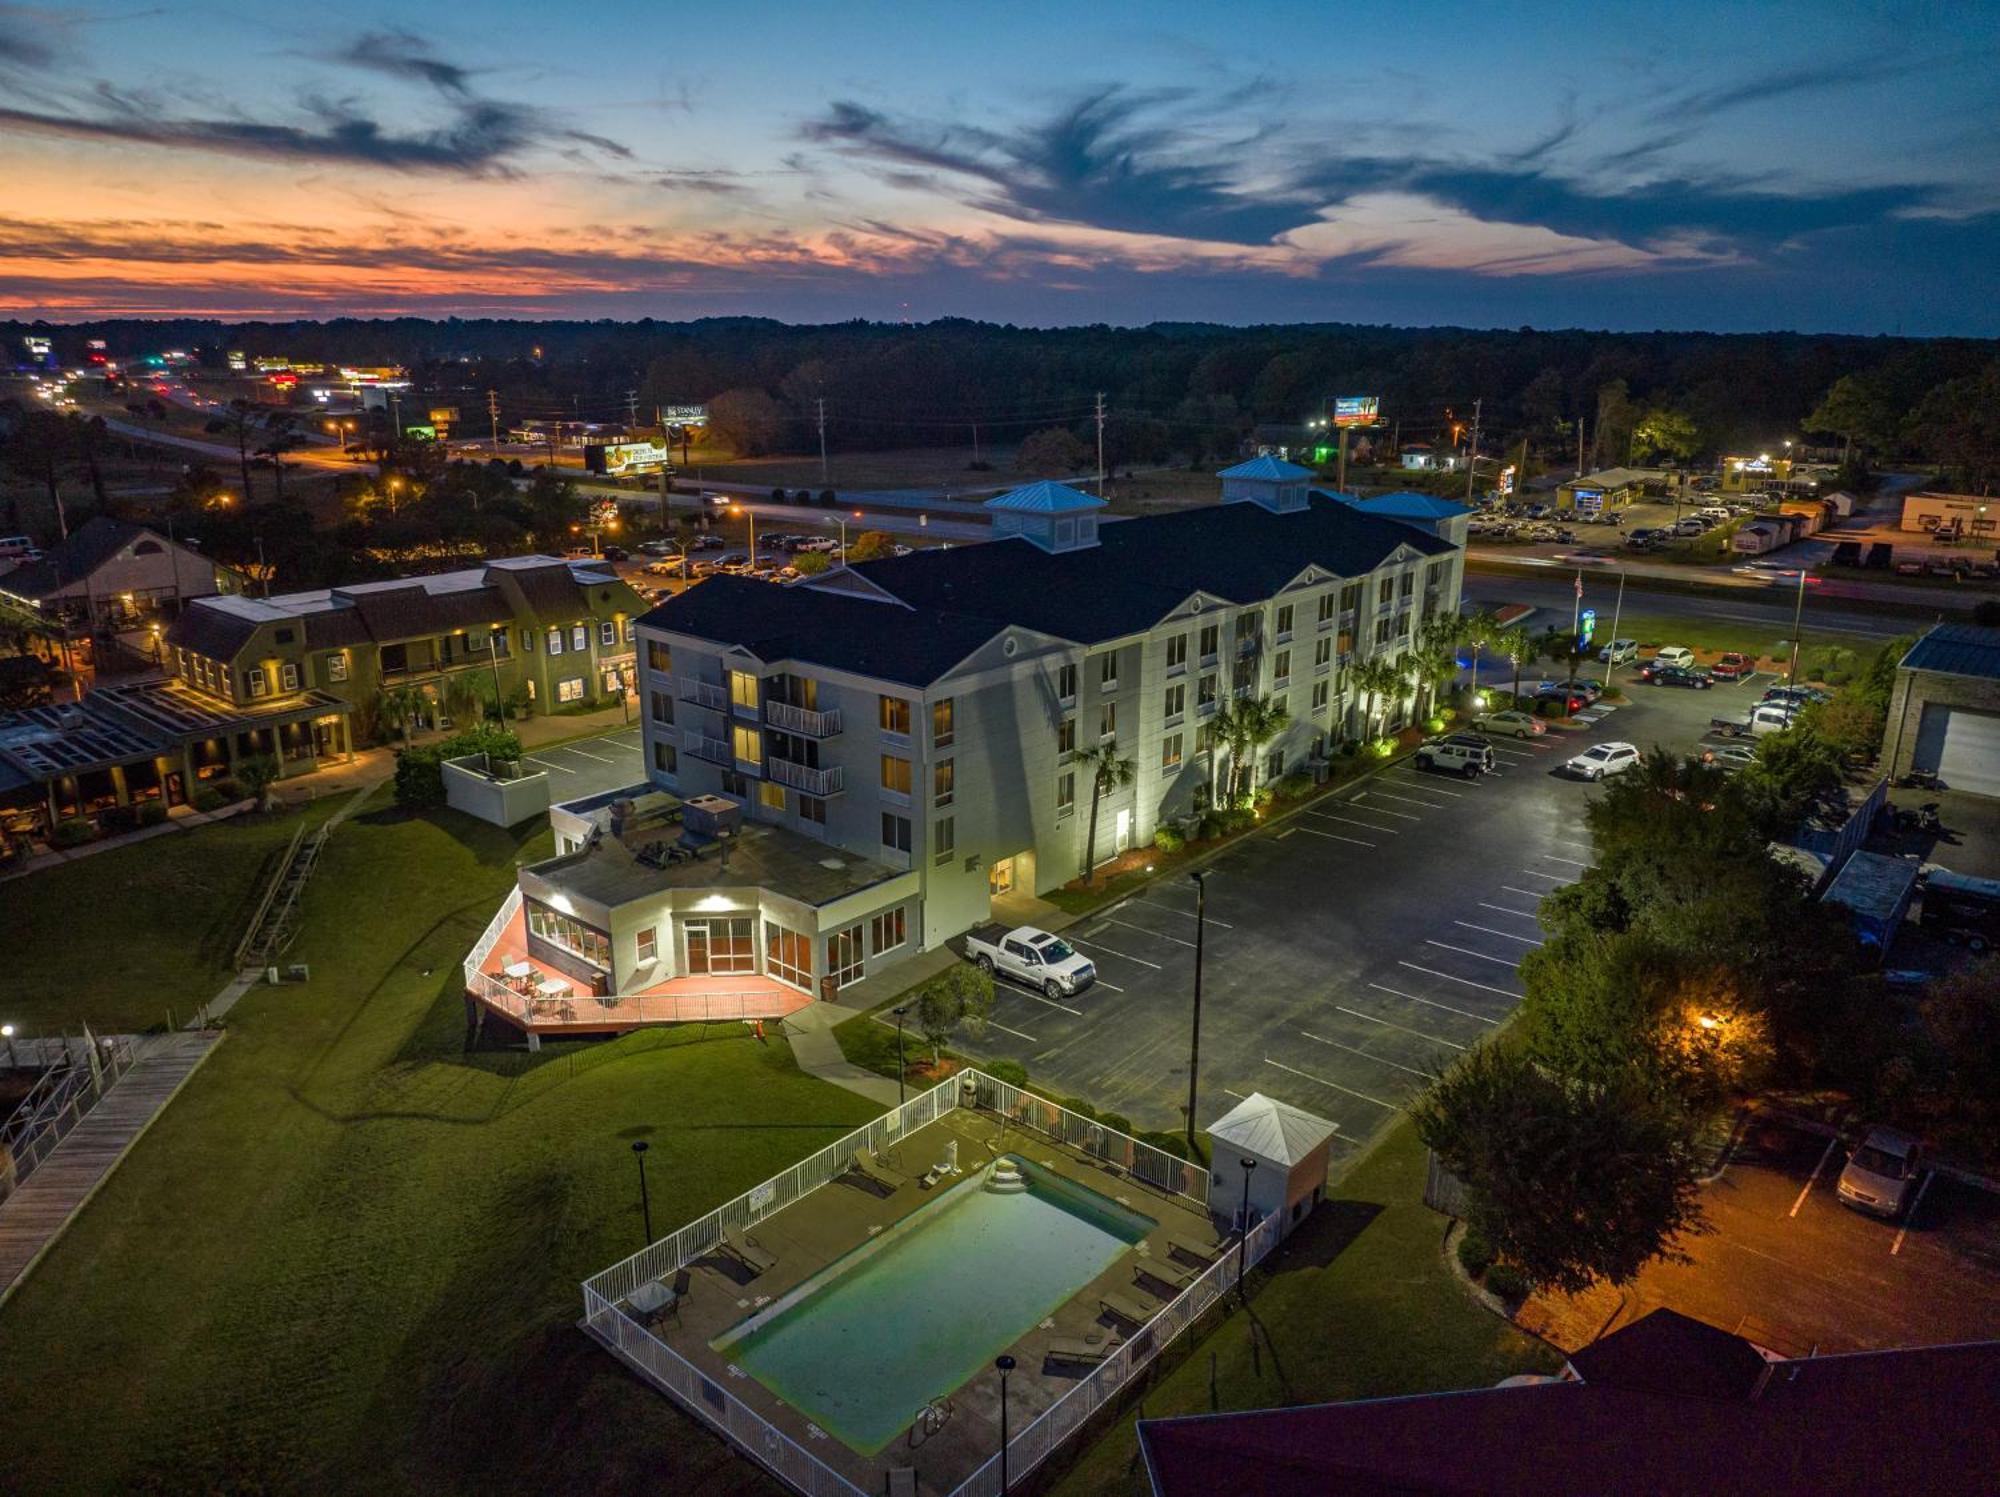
pixel 862 1346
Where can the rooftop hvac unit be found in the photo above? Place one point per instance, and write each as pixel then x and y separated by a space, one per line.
pixel 712 815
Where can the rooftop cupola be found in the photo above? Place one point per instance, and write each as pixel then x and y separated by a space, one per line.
pixel 1053 515
pixel 1277 485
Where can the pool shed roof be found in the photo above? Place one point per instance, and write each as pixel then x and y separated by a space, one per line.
pixel 1266 467
pixel 1271 1129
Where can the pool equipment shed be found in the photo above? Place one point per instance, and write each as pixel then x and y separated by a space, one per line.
pixel 1290 1147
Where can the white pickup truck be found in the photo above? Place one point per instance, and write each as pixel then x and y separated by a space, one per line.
pixel 1030 956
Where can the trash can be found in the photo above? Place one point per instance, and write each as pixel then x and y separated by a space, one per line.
pixel 829 989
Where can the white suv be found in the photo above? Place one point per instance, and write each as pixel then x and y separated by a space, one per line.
pixel 1461 754
pixel 1602 759
pixel 1679 655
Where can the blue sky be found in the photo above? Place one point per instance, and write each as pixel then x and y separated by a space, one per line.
pixel 1727 166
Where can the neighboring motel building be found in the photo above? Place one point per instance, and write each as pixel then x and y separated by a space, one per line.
pixel 899 740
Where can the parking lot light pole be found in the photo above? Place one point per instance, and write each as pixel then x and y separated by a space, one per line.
pixel 1200 877
pixel 1617 609
pixel 901 1012
pixel 1006 1365
pixel 1243 1232
pixel 1798 612
pixel 639 1147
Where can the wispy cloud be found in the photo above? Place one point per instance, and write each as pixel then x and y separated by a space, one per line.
pixel 401 54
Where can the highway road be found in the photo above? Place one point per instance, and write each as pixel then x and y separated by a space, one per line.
pixel 1556 596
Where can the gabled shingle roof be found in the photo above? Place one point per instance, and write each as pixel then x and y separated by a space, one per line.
pixel 88 547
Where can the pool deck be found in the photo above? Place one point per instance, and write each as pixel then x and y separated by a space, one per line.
pixel 819 1228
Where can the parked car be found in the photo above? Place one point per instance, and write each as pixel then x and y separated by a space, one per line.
pixel 1730 756
pixel 1558 691
pixel 1690 526
pixel 671 566
pixel 1795 696
pixel 1882 1172
pixel 1619 651
pixel 1733 667
pixel 1603 759
pixel 1455 755
pixel 658 548
pixel 1679 655
pixel 1511 721
pixel 1030 956
pixel 1675 675
pixel 709 541
pixel 1765 717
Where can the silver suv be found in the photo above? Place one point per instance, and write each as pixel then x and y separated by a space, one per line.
pixel 1462 753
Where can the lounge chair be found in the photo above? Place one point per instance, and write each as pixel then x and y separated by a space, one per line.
pixel 1123 1307
pixel 1163 1271
pixel 743 1247
pixel 1079 1350
pixel 1204 1256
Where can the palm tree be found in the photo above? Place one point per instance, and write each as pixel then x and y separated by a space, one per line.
pixel 1518 646
pixel 1482 631
pixel 1375 678
pixel 399 706
pixel 1245 726
pixel 1427 670
pixel 1107 772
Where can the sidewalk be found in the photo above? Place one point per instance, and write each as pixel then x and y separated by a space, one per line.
pixel 818 1053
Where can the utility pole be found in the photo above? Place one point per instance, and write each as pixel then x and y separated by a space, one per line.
pixel 493 416
pixel 975 444
pixel 819 403
pixel 1617 612
pixel 631 410
pixel 1798 615
pixel 1521 468
pixel 1579 446
pixel 1100 444
pixel 1200 878
pixel 1472 452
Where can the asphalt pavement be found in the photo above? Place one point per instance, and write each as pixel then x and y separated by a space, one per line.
pixel 591 766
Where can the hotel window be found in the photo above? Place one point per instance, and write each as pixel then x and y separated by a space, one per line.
pixel 556 641
pixel 662 707
pixel 1177 653
pixel 1249 626
pixel 579 636
pixel 647 944
pixel 571 934
pixel 336 666
pixel 942 726
pixel 1345 643
pixel 288 676
pixel 1284 621
pixel 771 795
pixel 893 714
pixel 813 809
pixel 1385 591
pixel 944 839
pixel 1107 669
pixel 666 759
pixel 1066 736
pixel 1170 751
pixel 1107 720
pixel 1350 597
pixel 501 644
pixel 1322 654
pixel 256 682
pixel 941 782
pixel 788 956
pixel 743 690
pixel 1066 683
pixel 844 961
pixel 1066 791
pixel 570 690
pixel 721 945
pixel 475 643
pixel 1204 690
pixel 747 744
pixel 1326 608
pixel 1176 701
pixel 1281 665
pixel 1402 625
pixel 888 930
pixel 659 657
pixel 1382 630
pixel 895 832
pixel 735 784
pixel 896 774
pixel 1319 696
pixel 1211 639
pixel 607 632
pixel 527 641
pixel 1407 586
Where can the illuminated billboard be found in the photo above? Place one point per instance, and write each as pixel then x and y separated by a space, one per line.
pixel 614 458
pixel 684 415
pixel 1356 410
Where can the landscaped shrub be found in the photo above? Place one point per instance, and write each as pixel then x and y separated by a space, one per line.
pixel 1475 1253
pixel 1077 1105
pixel 113 820
pixel 1261 798
pixel 1166 1143
pixel 1292 786
pixel 1507 1282
pixel 420 771
pixel 206 798
pixel 1115 1120
pixel 1211 826
pixel 230 789
pixel 1010 1071
pixel 1169 839
pixel 152 812
pixel 72 831
pixel 1238 821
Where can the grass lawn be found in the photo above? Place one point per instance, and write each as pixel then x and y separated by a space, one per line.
pixel 1706 634
pixel 346 1258
pixel 1358 1303
pixel 117 939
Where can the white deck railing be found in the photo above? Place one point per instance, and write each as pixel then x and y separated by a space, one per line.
pixel 589 1010
pixel 475 961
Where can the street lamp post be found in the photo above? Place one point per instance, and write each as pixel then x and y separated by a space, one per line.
pixel 1617 609
pixel 7 1033
pixel 1798 613
pixel 1006 1365
pixel 744 509
pixel 901 1011
pixel 1243 1232
pixel 639 1147
pixel 1200 877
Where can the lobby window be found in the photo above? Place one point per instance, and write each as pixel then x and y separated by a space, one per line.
pixel 569 933
pixel 1066 683
pixel 942 726
pixel 813 809
pixel 771 795
pixel 895 832
pixel 659 657
pixel 1177 652
pixel 894 715
pixel 844 959
pixel 788 955
pixel 1066 791
pixel 743 690
pixel 944 839
pixel 888 930
pixel 721 945
pixel 896 774
pixel 941 782
pixel 1170 751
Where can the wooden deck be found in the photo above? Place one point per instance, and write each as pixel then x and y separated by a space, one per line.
pixel 34 1216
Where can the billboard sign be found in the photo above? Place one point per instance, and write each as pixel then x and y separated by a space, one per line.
pixel 1356 410
pixel 615 458
pixel 684 415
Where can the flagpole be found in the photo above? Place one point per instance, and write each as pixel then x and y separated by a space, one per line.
pixel 1575 629
pixel 1617 609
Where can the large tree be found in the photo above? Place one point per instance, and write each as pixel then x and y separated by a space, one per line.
pixel 1855 410
pixel 1051 451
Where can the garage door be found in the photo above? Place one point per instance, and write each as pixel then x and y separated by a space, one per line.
pixel 1963 745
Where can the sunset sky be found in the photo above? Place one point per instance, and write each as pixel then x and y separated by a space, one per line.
pixel 1822 166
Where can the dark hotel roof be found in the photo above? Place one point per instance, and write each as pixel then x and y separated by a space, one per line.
pixel 1667 1407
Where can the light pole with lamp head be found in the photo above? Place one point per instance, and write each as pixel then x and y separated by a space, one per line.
pixel 901 1012
pixel 1200 877
pixel 1243 1231
pixel 639 1147
pixel 7 1033
pixel 1798 613
pixel 1006 1365
pixel 744 509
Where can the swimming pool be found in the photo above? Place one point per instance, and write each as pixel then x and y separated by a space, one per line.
pixel 864 1344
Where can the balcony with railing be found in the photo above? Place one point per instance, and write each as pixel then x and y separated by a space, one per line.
pixel 714 750
pixel 819 782
pixel 703 694
pixel 801 720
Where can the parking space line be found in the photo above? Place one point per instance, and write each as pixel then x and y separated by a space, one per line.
pixel 1333 1085
pixel 1573 862
pixel 1811 1179
pixel 1428 805
pixel 1502 934
pixel 573 749
pixel 1423 782
pixel 1531 893
pixel 1910 1216
pixel 1556 877
pixel 1016 985
pixel 1018 1034
pixel 1507 910
pixel 1384 811
pixel 1113 951
pixel 547 765
pixel 1320 1039
pixel 1350 821
pixel 1484 986
pixel 1435 1039
pixel 1156 935
pixel 1468 951
pixel 1572 842
pixel 1184 914
pixel 1463 1013
pixel 1313 831
pixel 1517 753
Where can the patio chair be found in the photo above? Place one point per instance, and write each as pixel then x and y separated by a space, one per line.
pixel 1163 1273
pixel 1123 1307
pixel 1204 1256
pixel 744 1248
pixel 1080 1351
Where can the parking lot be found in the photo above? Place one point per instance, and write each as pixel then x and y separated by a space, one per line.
pixel 1791 1268
pixel 590 766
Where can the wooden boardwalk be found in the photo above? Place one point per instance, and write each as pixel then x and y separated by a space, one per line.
pixel 34 1216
